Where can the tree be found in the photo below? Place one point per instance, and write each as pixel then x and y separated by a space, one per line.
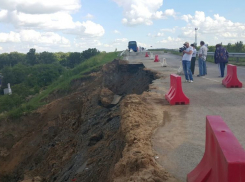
pixel 46 58
pixel 31 57
pixel 20 73
pixel 8 76
pixel 239 46
pixel 229 47
pixel 74 58
pixel 4 60
pixel 90 52
pixel 15 58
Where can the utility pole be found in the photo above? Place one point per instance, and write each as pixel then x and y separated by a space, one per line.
pixel 196 36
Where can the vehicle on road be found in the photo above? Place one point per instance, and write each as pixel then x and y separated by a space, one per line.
pixel 132 45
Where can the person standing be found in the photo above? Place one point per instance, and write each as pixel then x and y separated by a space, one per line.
pixel 221 57
pixel 202 55
pixel 193 59
pixel 186 61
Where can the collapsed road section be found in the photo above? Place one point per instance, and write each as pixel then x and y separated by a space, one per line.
pixel 99 132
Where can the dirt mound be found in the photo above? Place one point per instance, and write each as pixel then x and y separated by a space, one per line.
pixel 137 125
pixel 82 137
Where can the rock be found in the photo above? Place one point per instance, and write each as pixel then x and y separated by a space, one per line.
pixel 4 152
pixel 106 97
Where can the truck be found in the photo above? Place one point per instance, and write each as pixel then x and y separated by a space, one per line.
pixel 132 45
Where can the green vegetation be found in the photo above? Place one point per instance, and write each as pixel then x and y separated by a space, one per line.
pixel 35 76
pixel 238 47
pixel 156 49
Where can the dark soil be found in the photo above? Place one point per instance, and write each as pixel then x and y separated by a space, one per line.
pixel 73 138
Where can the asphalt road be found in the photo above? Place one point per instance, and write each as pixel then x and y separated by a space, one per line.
pixel 180 142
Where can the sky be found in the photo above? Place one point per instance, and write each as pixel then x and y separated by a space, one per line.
pixel 76 25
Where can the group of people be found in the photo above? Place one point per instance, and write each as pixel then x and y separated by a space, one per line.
pixel 189 59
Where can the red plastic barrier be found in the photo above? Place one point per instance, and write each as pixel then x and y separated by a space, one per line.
pixel 224 158
pixel 175 95
pixel 231 80
pixel 146 54
pixel 156 58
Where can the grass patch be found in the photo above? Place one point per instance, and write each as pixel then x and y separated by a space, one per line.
pixel 155 49
pixel 62 83
pixel 171 51
pixel 232 60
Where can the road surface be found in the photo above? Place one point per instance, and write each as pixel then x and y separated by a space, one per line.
pixel 180 142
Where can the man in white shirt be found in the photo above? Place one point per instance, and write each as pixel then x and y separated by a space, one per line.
pixel 202 59
pixel 186 61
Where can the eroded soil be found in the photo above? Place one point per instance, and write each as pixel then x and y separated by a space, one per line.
pixel 83 136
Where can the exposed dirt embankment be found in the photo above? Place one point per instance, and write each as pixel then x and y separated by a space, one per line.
pixel 97 133
pixel 139 119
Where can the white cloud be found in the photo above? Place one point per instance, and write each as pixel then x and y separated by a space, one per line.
pixel 56 22
pixel 32 36
pixel 212 29
pixel 116 32
pixel 10 37
pixel 3 14
pixel 1 48
pixel 93 29
pixel 171 40
pixel 142 11
pixel 170 12
pixel 23 40
pixel 47 25
pixel 59 19
pixel 186 17
pixel 143 44
pixel 85 43
pixel 107 45
pixel 89 16
pixel 40 7
pixel 120 40
pixel 171 30
pixel 159 34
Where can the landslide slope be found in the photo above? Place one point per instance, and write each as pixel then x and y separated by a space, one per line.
pixel 87 135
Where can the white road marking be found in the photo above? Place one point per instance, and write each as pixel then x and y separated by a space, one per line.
pixel 211 79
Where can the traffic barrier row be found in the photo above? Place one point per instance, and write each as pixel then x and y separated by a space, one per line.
pixel 224 157
pixel 231 80
pixel 175 95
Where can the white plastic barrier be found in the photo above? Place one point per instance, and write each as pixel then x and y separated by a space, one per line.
pixel 164 62
pixel 180 70
pixel 151 56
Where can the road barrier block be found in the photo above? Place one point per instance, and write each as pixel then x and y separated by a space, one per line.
pixel 164 62
pixel 231 80
pixel 224 157
pixel 175 95
pixel 156 58
pixel 151 56
pixel 146 54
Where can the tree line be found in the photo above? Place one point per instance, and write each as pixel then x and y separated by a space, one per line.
pixel 32 72
pixel 68 60
pixel 238 47
pixel 39 69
